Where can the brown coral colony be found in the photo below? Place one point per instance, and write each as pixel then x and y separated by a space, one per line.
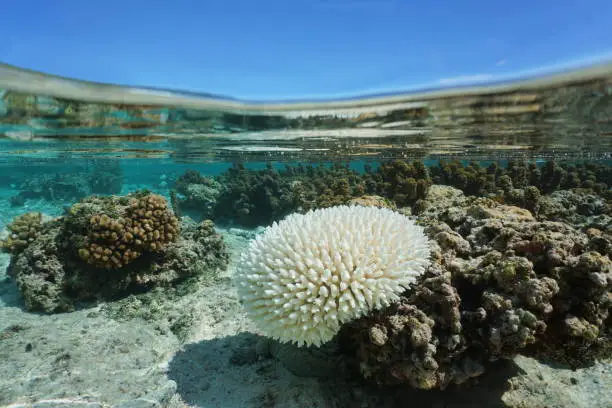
pixel 147 226
pixel 23 230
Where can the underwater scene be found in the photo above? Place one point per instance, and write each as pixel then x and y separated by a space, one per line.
pixel 449 248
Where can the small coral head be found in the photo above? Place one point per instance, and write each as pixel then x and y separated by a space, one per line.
pixel 306 275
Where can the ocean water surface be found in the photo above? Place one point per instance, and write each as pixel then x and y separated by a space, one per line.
pixel 130 274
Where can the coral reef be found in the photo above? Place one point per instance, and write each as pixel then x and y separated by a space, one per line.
pixel 373 201
pixel 401 182
pixel 59 267
pixel 196 192
pixel 501 283
pixel 471 178
pixel 240 195
pixel 198 252
pixel 258 197
pixel 51 187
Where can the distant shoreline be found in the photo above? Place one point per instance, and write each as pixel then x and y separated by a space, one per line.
pixel 34 82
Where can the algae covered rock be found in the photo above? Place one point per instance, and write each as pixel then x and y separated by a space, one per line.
pixel 372 201
pixel 54 272
pixel 199 251
pixel 501 284
pixel 40 273
pixel 579 210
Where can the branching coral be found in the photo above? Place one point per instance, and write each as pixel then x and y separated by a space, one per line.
pixel 522 183
pixel 195 192
pixel 258 197
pixel 402 182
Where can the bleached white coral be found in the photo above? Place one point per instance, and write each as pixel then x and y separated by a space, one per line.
pixel 306 275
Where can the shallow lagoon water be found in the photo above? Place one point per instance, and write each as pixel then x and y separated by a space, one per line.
pixel 502 177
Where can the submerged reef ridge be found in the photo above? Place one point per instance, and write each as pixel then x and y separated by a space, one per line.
pixel 310 273
pixel 100 176
pixel 250 197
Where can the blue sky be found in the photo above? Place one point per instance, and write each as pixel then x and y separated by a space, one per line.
pixel 269 49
